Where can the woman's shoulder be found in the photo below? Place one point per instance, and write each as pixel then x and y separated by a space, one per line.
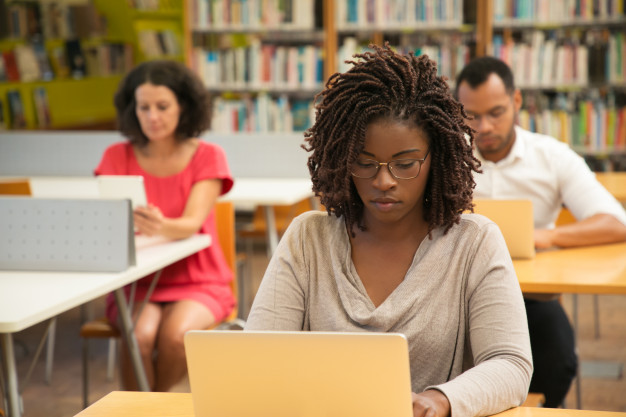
pixel 119 148
pixel 316 222
pixel 475 224
pixel 208 148
pixel 316 217
pixel 115 159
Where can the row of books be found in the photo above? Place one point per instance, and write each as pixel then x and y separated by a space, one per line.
pixel 155 4
pixel 267 14
pixel 594 125
pixel 540 62
pixel 449 51
pixel 394 14
pixel 32 62
pixel 259 66
pixel 557 11
pixel 52 20
pixel 261 114
pixel 159 43
pixel 17 118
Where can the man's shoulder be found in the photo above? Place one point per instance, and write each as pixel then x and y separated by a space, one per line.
pixel 539 142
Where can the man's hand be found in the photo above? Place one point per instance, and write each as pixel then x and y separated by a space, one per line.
pixel 543 239
pixel 430 403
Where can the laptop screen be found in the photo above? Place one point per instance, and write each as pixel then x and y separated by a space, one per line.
pixel 286 374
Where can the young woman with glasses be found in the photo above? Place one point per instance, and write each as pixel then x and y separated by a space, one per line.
pixel 392 163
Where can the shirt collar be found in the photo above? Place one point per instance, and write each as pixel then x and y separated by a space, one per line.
pixel 517 151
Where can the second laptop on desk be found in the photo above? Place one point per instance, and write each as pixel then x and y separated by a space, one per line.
pixel 515 220
pixel 286 374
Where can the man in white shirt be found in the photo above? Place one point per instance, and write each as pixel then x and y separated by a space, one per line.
pixel 517 163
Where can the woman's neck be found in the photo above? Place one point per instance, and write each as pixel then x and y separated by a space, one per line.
pixel 162 149
pixel 412 228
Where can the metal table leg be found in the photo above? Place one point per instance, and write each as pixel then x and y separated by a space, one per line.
pixel 8 358
pixel 133 348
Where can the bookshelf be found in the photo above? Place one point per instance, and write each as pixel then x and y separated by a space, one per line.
pixel 444 30
pixel 262 60
pixel 68 57
pixel 59 66
pixel 153 27
pixel 244 55
pixel 569 60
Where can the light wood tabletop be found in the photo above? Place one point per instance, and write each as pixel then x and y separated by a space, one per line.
pixel 157 404
pixel 588 270
pixel 615 183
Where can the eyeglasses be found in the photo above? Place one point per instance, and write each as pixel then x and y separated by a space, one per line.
pixel 401 169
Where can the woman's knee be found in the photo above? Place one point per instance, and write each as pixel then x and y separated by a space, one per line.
pixel 146 338
pixel 171 343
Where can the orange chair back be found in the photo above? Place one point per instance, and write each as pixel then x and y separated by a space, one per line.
pixel 225 222
pixel 283 215
pixel 15 187
pixel 565 217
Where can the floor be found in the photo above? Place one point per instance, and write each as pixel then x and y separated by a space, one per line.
pixel 602 388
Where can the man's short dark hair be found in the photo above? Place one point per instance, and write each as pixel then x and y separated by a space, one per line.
pixel 479 69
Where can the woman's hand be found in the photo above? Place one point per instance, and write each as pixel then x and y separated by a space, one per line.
pixel 148 220
pixel 430 403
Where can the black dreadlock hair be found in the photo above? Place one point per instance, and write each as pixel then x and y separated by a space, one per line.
pixel 386 85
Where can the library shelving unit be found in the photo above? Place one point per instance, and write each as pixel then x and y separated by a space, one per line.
pixel 569 60
pixel 153 27
pixel 443 30
pixel 262 61
pixel 59 67
pixel 269 54
pixel 111 36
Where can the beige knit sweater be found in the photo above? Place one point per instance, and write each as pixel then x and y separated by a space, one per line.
pixel 460 307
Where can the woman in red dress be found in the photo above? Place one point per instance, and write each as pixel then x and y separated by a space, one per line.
pixel 162 108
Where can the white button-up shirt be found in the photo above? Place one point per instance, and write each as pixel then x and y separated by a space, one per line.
pixel 549 173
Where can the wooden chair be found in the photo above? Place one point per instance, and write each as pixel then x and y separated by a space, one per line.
pixel 534 399
pixel 19 186
pixel 103 329
pixel 283 214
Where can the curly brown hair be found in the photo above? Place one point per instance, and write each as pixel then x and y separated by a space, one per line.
pixel 192 96
pixel 384 84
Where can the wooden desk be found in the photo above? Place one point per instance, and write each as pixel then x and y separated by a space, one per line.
pixel 586 270
pixel 156 404
pixel 31 297
pixel 615 183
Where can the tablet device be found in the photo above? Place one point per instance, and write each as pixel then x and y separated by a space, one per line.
pixel 287 374
pixel 123 187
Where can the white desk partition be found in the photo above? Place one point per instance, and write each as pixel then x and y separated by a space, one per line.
pixel 65 235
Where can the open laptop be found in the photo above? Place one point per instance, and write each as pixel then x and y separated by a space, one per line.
pixel 302 374
pixel 515 220
pixel 122 187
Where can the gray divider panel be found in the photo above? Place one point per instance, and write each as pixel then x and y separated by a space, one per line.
pixel 66 235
